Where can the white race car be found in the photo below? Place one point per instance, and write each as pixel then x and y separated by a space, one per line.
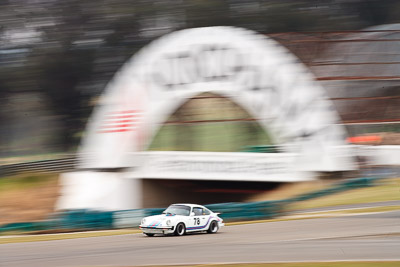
pixel 180 219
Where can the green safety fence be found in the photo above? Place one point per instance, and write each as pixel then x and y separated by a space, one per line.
pixel 68 220
pixel 248 211
pixel 85 219
pixel 233 211
pixel 151 212
pixel 261 149
pixel 28 226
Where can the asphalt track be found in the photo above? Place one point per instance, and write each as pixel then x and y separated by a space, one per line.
pixel 356 237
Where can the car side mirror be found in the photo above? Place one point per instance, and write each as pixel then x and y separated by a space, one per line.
pixel 192 214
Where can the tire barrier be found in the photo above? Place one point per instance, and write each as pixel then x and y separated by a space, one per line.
pixel 233 211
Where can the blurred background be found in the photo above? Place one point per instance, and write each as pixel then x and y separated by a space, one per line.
pixel 56 58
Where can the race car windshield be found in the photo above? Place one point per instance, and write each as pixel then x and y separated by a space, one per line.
pixel 178 210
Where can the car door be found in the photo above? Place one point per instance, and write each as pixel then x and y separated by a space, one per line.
pixel 199 220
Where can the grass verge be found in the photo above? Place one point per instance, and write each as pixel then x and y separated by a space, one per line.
pixel 51 237
pixel 346 212
pixel 26 180
pixel 366 210
pixel 387 190
pixel 304 264
pixel 27 197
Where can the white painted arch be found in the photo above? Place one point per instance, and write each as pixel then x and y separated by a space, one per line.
pixel 254 71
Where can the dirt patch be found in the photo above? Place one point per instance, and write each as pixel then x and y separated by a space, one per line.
pixel 29 203
pixel 390 138
pixel 287 190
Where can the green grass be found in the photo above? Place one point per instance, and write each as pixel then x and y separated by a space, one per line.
pixel 25 180
pixel 213 137
pixel 305 264
pixel 387 190
pixel 218 136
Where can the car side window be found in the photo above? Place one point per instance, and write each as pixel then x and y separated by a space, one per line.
pixel 206 212
pixel 197 211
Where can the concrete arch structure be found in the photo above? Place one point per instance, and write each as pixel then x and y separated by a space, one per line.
pixel 254 71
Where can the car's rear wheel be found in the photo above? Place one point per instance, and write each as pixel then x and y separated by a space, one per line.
pixel 213 227
pixel 180 229
pixel 149 234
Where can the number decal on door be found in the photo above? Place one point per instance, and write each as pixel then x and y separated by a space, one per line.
pixel 196 221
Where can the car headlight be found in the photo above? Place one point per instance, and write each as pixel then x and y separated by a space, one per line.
pixel 168 222
pixel 143 221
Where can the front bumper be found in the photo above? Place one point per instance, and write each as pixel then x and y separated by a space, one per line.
pixel 157 230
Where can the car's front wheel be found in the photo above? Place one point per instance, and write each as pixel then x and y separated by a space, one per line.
pixel 213 227
pixel 180 229
pixel 149 234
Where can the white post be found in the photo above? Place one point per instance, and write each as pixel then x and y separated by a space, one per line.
pixel 94 190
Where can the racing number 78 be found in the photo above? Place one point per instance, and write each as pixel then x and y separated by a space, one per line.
pixel 197 221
